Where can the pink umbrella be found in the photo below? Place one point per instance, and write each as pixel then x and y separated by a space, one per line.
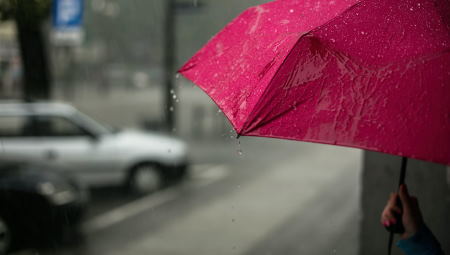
pixel 370 74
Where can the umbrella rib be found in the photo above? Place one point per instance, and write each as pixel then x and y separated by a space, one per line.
pixel 281 114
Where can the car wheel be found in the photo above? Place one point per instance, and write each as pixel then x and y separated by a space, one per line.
pixel 5 236
pixel 144 179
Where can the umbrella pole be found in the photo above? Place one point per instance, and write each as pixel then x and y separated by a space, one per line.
pixel 403 171
pixel 400 182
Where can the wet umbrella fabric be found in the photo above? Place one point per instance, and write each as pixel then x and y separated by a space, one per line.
pixel 370 74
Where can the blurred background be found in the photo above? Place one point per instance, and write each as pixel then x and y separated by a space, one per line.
pixel 141 161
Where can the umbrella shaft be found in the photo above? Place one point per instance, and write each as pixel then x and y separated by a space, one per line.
pixel 403 171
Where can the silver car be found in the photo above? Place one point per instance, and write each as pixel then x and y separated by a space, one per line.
pixel 59 134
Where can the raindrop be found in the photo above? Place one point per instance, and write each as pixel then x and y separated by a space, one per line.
pixel 172 91
pixel 239 148
pixel 177 100
pixel 411 9
pixel 291 10
pixel 177 76
pixel 174 96
pixel 171 109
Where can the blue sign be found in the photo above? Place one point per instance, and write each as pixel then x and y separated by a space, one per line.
pixel 67 14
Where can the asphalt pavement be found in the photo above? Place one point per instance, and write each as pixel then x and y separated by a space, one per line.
pixel 264 196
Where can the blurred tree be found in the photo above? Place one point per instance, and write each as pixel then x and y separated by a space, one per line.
pixel 29 16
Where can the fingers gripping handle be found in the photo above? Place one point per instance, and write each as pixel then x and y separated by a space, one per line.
pixel 397 227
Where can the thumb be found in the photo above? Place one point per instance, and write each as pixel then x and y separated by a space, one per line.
pixel 404 197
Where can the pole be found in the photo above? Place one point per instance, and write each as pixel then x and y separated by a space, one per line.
pixel 35 62
pixel 169 63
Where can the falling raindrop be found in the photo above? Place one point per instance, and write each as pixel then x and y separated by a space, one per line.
pixel 172 91
pixel 291 10
pixel 177 76
pixel 171 109
pixel 239 147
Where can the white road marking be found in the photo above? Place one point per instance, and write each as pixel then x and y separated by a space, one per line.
pixel 128 210
pixel 206 177
pixel 202 175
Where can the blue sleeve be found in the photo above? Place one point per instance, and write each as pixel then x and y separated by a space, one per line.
pixel 421 243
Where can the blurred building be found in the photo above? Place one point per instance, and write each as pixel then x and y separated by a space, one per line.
pixel 10 65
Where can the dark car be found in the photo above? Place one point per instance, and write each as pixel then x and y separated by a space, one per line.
pixel 38 205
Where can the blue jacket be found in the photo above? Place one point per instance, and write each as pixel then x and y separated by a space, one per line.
pixel 421 243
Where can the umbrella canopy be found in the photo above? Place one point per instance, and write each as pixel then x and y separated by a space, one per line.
pixel 370 74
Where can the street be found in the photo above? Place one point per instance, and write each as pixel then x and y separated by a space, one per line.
pixel 278 197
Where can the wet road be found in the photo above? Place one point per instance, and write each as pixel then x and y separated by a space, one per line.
pixel 279 197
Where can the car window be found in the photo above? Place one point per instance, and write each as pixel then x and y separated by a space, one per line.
pixel 14 126
pixel 56 126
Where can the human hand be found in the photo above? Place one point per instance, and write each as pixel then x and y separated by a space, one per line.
pixel 411 215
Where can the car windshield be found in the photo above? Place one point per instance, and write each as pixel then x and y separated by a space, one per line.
pixel 93 125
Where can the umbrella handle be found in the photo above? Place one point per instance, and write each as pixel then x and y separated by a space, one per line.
pixel 398 227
